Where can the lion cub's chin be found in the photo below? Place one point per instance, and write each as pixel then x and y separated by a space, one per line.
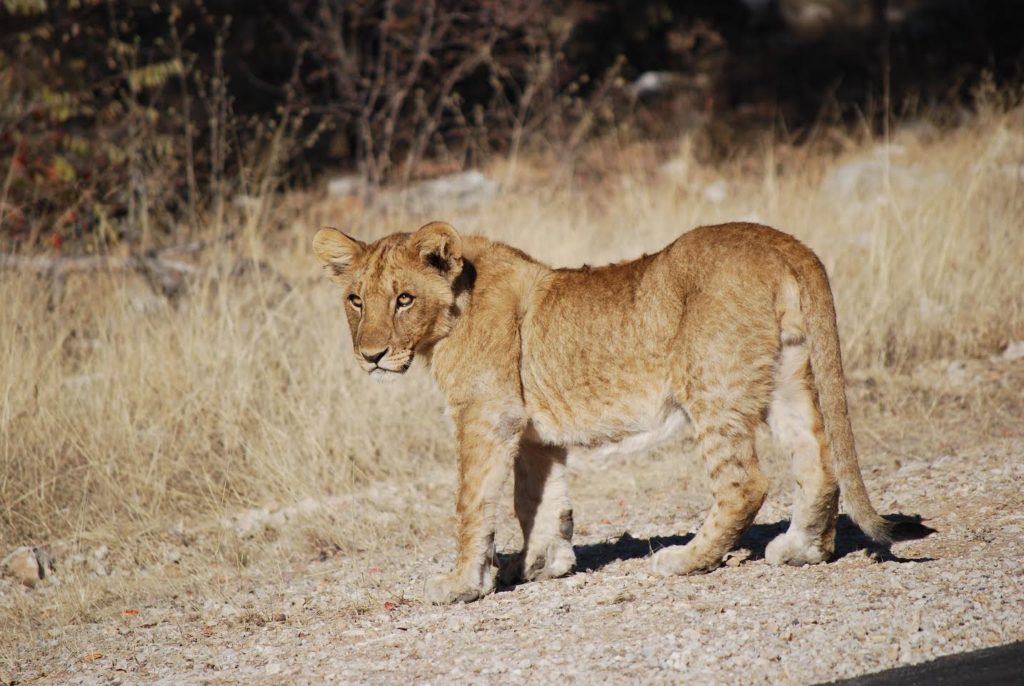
pixel 383 376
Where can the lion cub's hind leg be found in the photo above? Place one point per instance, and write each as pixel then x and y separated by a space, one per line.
pixel 545 514
pixel 738 487
pixel 724 382
pixel 795 420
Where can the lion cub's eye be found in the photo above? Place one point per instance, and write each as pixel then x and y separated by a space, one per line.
pixel 404 300
pixel 356 301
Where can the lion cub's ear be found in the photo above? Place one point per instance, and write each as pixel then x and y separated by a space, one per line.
pixel 336 250
pixel 440 246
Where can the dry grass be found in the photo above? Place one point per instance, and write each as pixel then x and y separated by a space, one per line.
pixel 129 421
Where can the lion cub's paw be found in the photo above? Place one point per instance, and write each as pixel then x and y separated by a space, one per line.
pixel 445 589
pixel 557 560
pixel 678 561
pixel 791 548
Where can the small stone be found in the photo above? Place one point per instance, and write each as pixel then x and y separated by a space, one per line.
pixel 171 555
pixel 957 371
pixel 576 581
pixel 1014 351
pixel 870 555
pixel 98 567
pixel 623 597
pixel 23 566
pixel 45 563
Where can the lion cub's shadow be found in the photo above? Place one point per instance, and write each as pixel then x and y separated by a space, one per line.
pixel 849 539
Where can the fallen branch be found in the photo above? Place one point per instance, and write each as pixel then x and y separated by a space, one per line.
pixel 165 276
pixel 90 263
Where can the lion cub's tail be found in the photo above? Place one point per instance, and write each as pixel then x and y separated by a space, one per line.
pixel 827 369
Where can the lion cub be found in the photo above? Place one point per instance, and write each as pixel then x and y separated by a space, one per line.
pixel 727 327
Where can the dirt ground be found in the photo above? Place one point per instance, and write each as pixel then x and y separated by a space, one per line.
pixel 948 444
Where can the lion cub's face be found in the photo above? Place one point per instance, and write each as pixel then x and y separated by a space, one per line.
pixel 397 292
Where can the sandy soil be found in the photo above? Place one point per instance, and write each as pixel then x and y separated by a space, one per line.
pixel 357 618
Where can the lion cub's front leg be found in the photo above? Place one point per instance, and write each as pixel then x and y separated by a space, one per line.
pixel 488 443
pixel 545 515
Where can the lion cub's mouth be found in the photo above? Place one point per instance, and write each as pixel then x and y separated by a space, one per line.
pixel 389 373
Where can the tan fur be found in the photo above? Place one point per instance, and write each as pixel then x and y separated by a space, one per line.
pixel 725 328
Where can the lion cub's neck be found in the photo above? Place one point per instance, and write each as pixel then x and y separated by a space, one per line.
pixel 503 277
pixel 491 299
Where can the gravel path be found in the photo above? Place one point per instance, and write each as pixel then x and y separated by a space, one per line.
pixel 357 618
pixel 613 621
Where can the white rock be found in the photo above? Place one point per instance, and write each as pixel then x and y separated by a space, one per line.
pixel 345 186
pixel 247 203
pixel 453 191
pixel 1014 351
pixel 653 83
pixel 716 192
pixel 676 169
pixel 877 173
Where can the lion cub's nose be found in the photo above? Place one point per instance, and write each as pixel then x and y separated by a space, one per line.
pixel 374 358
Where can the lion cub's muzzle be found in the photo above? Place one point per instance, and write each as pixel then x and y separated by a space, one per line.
pixel 386 364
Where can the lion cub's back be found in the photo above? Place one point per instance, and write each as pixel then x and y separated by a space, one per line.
pixel 597 343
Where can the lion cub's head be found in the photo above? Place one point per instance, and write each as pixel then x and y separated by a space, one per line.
pixel 399 292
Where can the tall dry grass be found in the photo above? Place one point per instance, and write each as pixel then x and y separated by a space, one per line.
pixel 123 415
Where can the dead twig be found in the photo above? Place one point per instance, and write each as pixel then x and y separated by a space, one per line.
pixel 165 276
pixel 164 271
